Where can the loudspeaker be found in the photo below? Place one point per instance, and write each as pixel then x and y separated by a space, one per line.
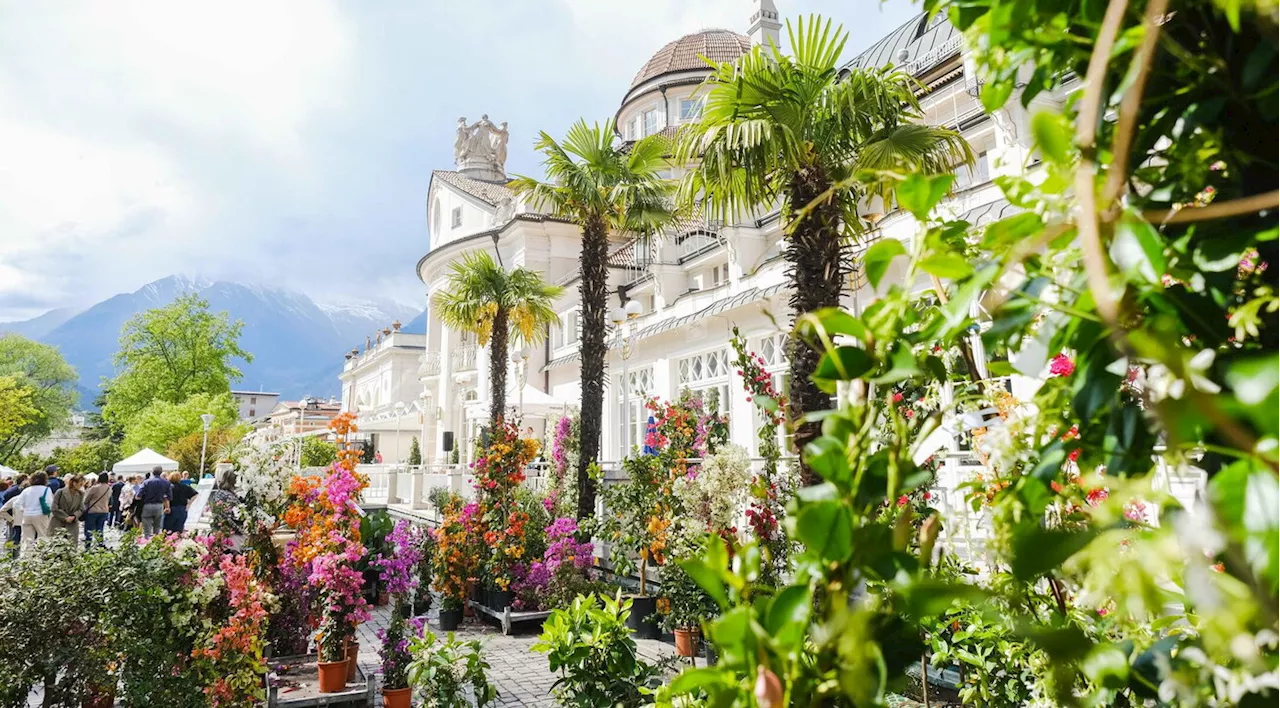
pixel 448 441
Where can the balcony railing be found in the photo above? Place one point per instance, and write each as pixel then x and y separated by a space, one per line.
pixel 430 364
pixel 697 243
pixel 464 358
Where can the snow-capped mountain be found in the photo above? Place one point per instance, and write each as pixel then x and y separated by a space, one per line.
pixel 297 344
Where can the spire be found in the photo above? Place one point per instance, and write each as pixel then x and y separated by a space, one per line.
pixel 764 23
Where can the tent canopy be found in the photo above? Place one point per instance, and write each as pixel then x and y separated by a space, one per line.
pixel 536 404
pixel 144 461
pixel 7 472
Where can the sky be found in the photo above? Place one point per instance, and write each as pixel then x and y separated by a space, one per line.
pixel 291 143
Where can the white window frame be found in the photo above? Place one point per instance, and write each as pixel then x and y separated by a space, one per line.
pixel 639 385
pixel 650 127
pixel 455 218
pixel 688 116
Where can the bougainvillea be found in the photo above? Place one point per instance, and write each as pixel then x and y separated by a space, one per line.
pixel 498 472
pixel 398 566
pixel 231 655
pixel 455 560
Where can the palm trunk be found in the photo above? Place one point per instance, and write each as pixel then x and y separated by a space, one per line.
pixel 498 368
pixel 594 294
pixel 817 267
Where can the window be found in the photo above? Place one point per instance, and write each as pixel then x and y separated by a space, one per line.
pixel 975 174
pixel 719 275
pixel 571 329
pixel 635 128
pixel 253 400
pixel 456 217
pixel 252 413
pixel 690 109
pixel 651 121
pixel 702 368
pixel 630 398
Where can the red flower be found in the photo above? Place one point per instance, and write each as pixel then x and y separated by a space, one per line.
pixel 1062 365
pixel 902 500
pixel 897 398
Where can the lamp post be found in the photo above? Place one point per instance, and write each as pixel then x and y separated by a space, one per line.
pixel 520 358
pixel 207 420
pixel 620 317
pixel 399 412
pixel 302 413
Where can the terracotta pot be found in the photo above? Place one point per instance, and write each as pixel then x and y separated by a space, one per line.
pixel 333 676
pixel 353 654
pixel 396 697
pixel 687 641
pixel 450 619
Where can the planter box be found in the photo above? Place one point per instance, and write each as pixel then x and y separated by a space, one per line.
pixel 511 621
pixel 294 682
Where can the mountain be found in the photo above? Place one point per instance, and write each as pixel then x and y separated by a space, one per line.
pixel 297 344
pixel 37 327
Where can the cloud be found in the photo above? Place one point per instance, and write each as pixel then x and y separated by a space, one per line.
pixel 288 143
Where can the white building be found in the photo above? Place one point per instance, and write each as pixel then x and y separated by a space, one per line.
pixel 252 404
pixel 382 386
pixel 693 285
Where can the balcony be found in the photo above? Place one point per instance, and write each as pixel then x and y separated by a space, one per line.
pixel 464 359
pixel 430 365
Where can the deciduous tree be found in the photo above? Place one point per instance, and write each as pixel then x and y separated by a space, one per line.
pixel 162 423
pixel 49 379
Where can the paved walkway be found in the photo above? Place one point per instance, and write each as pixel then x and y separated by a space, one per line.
pixel 520 674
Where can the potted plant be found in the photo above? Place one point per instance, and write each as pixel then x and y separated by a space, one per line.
pixel 344 608
pixel 442 670
pixel 394 653
pixel 332 661
pixel 590 646
pixel 453 562
pixel 687 605
pixel 450 613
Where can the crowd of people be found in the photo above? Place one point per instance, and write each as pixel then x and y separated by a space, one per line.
pixel 46 504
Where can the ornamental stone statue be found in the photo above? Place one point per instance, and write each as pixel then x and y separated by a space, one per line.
pixel 480 149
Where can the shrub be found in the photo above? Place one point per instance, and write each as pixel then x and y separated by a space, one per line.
pixel 442 671
pixel 591 648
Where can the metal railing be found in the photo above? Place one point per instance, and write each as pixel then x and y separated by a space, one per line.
pixel 464 358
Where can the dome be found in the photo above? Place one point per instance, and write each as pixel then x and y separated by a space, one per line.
pixel 686 53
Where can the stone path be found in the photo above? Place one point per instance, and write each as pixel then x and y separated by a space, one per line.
pixel 521 674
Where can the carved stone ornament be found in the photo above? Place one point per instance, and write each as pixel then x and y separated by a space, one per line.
pixel 481 142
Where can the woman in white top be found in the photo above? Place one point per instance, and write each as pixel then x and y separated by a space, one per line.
pixel 36 502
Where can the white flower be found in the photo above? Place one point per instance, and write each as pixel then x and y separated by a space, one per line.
pixel 1162 383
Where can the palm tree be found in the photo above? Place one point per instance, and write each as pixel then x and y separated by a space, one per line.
pixel 791 131
pixel 496 305
pixel 604 187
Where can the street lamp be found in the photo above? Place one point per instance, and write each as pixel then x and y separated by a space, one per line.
pixel 620 317
pixel 207 420
pixel 399 412
pixel 302 413
pixel 520 358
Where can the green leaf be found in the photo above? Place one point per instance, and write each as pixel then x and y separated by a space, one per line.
pixel 691 680
pixel 995 94
pixel 1107 666
pixel 707 578
pixel 929 598
pixel 1037 550
pixel 920 193
pixel 1253 380
pixel 877 258
pixel 848 363
pixel 946 265
pixel 833 321
pixel 1052 134
pixel 789 616
pixel 826 456
pixel 826 528
pixel 1012 229
pixel 1137 248
pixel 902 365
pixel 731 628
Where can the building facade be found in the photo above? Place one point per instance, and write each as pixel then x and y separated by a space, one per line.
pixel 382 385
pixel 699 280
pixel 252 404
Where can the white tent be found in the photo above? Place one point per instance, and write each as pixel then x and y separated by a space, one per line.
pixel 533 404
pixel 7 472
pixel 144 461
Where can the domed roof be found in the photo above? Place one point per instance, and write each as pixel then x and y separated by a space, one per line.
pixel 686 53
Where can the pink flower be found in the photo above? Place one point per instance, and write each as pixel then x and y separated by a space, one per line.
pixel 1062 366
pixel 902 500
pixel 1097 495
pixel 897 398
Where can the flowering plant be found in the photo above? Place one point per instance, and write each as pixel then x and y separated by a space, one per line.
pixel 342 602
pixel 263 480
pixel 230 657
pixel 498 472
pixel 394 650
pixel 712 495
pixel 561 573
pixel 454 560
pixel 443 670
pixel 404 553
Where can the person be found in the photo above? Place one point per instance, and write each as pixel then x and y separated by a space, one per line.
pixel 54 482
pixel 37 504
pixel 15 521
pixel 186 479
pixel 155 495
pixel 377 457
pixel 127 494
pixel 176 520
pixel 113 509
pixel 97 507
pixel 68 509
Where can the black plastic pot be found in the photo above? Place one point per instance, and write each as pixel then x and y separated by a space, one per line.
pixel 500 599
pixel 643 621
pixel 450 620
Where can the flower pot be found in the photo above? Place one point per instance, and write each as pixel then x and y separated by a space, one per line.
pixel 396 697
pixel 500 599
pixel 642 609
pixel 384 598
pixel 450 619
pixel 474 591
pixel 333 676
pixel 353 657
pixel 687 641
